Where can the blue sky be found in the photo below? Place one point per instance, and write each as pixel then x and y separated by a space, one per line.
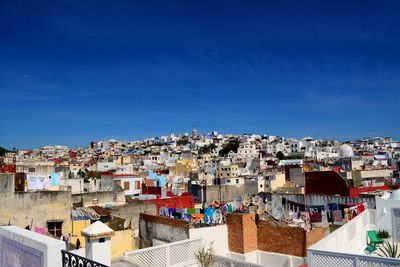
pixel 76 71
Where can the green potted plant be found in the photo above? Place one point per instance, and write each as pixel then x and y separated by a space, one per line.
pixel 383 234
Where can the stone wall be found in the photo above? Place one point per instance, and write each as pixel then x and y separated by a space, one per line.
pixel 6 183
pixel 223 193
pixel 36 208
pixel 161 228
pixel 115 197
pixel 132 211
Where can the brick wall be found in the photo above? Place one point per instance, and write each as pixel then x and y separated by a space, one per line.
pixel 314 236
pixel 280 239
pixel 242 232
pixel 244 235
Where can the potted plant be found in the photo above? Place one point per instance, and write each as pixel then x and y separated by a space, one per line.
pixel 383 234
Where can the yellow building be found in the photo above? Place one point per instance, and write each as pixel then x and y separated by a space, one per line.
pixel 77 227
pixel 123 160
pixel 184 167
pixel 271 182
pixel 206 157
pixel 121 241
pixel 228 171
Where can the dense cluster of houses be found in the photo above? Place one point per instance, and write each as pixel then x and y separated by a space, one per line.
pixel 136 187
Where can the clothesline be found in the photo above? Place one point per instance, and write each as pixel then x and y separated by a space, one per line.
pixel 209 215
pixel 331 212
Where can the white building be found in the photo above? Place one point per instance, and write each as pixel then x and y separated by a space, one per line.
pixel 247 150
pixel 105 166
pixel 131 184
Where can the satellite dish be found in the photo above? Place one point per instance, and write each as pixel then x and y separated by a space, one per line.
pixel 247 200
pixel 261 208
pixel 268 206
pixel 256 200
pixel 217 216
pixel 277 209
pixel 237 202
pixel 127 223
pixel 216 203
pixel 277 212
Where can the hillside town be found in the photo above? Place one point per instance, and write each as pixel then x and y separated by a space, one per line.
pixel 244 200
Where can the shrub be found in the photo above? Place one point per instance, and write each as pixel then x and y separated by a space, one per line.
pixel 383 234
pixel 205 257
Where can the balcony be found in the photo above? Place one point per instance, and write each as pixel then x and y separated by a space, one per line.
pixel 345 246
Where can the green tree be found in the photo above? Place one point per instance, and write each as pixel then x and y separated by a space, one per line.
pixel 280 155
pixel 232 145
pixel 3 151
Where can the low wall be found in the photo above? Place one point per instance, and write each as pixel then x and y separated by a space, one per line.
pixel 285 239
pixel 161 228
pixel 217 235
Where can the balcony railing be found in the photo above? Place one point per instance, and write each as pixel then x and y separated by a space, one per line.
pixel 345 246
pixel 333 259
pixel 73 260
pixel 181 253
pixel 177 253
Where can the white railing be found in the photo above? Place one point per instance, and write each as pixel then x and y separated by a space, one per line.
pixel 332 259
pixel 176 254
pixel 179 253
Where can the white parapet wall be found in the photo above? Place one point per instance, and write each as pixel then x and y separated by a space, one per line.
pixel 345 246
pixel 21 247
pixel 217 235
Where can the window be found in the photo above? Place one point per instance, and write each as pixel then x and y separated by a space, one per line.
pixel 261 185
pixel 237 181
pixel 228 181
pixel 126 186
pixel 55 228
pixel 227 174
pixel 137 184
